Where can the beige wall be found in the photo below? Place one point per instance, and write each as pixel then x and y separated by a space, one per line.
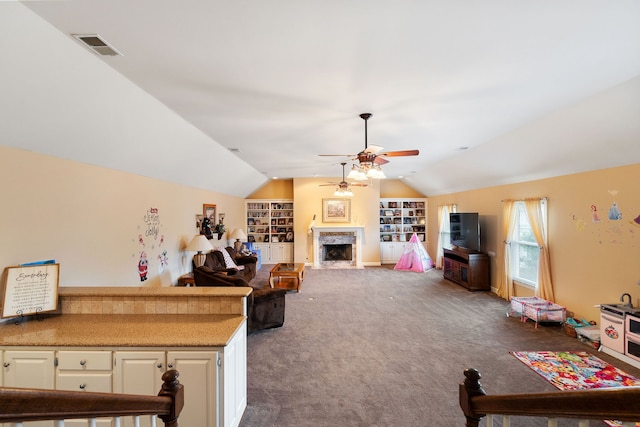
pixel 395 188
pixel 89 218
pixel 274 189
pixel 591 262
pixel 308 194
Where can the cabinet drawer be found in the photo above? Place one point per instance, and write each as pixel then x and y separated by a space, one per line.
pixel 85 360
pixel 85 382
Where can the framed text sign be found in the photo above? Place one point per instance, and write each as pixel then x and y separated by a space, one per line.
pixel 31 290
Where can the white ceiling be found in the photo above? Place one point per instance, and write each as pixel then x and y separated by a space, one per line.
pixel 532 88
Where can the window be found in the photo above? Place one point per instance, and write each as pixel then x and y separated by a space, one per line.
pixel 525 251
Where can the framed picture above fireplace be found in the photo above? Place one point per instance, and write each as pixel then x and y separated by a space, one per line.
pixel 336 210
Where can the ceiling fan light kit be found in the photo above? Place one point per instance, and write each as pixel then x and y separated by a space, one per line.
pixel 343 193
pixel 343 188
pixel 366 171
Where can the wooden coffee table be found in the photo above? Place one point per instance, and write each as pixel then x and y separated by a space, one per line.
pixel 289 275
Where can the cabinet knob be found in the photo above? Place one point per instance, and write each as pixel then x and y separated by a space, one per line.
pixel 170 366
pixel 159 365
pixel 83 386
pixel 83 362
pixel 6 364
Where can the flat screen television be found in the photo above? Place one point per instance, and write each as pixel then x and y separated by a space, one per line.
pixel 464 229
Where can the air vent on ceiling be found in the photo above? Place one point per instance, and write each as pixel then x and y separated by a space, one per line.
pixel 97 44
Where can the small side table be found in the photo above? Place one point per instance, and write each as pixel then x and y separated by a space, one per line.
pixel 186 280
pixel 289 276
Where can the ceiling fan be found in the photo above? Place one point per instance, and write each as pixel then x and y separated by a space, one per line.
pixel 343 188
pixel 370 159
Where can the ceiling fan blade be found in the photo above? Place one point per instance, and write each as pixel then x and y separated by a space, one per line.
pixel 372 149
pixel 336 155
pixel 400 153
pixel 326 185
pixel 357 185
pixel 380 161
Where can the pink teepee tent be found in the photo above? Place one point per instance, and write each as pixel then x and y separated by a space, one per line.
pixel 414 257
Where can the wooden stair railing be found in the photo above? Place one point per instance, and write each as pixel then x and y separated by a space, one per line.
pixel 620 403
pixel 21 404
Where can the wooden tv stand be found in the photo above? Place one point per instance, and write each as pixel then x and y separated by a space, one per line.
pixel 467 268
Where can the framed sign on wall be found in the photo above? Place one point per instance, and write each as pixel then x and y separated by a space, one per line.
pixel 31 290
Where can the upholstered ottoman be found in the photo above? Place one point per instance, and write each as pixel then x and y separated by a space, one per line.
pixel 266 309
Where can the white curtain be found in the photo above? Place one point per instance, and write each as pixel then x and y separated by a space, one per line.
pixel 443 227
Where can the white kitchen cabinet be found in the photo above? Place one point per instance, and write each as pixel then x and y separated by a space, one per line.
pixel 30 369
pixel 138 372
pixel 85 371
pixel 199 375
pixel 214 379
pixel 233 379
pixel 211 363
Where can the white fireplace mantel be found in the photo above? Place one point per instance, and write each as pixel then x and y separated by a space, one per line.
pixel 356 230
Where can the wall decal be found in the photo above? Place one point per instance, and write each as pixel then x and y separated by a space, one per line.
pixel 614 212
pixel 594 214
pixel 143 266
pixel 150 242
pixel 162 258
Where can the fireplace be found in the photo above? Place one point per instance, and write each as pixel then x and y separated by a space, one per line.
pixel 339 252
pixel 337 247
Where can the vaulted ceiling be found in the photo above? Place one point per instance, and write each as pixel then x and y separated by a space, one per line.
pixel 490 92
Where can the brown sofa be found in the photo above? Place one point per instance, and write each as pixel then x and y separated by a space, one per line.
pixel 265 305
pixel 242 266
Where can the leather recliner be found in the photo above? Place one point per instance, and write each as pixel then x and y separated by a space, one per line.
pixel 265 305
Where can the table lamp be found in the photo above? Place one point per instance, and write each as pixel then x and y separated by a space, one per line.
pixel 199 243
pixel 240 237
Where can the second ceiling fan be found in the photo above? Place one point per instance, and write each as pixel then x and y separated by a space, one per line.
pixel 343 187
pixel 371 157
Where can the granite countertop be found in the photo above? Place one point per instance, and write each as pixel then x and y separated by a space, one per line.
pixel 131 330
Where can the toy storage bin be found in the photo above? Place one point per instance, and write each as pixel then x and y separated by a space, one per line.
pixel 537 309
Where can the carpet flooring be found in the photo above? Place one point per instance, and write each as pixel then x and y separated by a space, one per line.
pixel 379 347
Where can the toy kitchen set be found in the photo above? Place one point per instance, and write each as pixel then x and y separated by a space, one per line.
pixel 620 330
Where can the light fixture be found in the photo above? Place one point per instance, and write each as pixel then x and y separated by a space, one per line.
pixel 343 193
pixel 240 237
pixel 199 243
pixel 366 170
pixel 343 188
